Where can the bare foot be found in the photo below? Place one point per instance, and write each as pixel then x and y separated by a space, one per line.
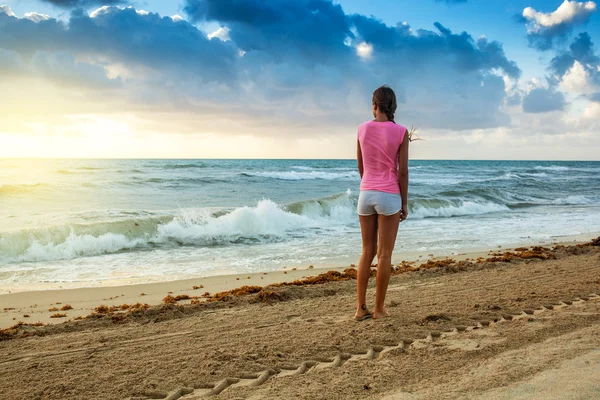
pixel 380 314
pixel 361 312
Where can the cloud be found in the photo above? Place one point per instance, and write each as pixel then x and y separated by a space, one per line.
pixel 63 69
pixel 544 28
pixel 138 40
pixel 82 3
pixel 579 66
pixel 221 33
pixel 364 50
pixel 303 63
pixel 593 111
pixel 36 17
pixel 542 100
pixel 578 80
pixel 308 30
pixel 7 10
pixel 514 99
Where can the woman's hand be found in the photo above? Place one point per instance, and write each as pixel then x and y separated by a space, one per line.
pixel 403 213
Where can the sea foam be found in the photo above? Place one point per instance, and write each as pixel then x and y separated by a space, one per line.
pixel 301 175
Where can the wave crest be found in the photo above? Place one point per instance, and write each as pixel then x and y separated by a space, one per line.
pixel 444 208
pixel 304 175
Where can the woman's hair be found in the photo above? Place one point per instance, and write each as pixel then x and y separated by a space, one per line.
pixel 385 99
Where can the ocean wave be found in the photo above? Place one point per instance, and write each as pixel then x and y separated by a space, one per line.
pixel 566 201
pixel 447 180
pixel 443 208
pixel 20 188
pixel 305 168
pixel 183 166
pixel 265 222
pixel 75 246
pixel 575 200
pixel 308 175
pixel 180 181
pixel 76 240
pixel 556 168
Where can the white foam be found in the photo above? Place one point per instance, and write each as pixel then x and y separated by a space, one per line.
pixel 76 246
pixel 464 208
pixel 297 175
pixel 266 222
pixel 557 168
pixel 574 200
pixel 196 226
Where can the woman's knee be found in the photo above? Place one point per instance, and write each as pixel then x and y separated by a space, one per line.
pixel 369 253
pixel 384 254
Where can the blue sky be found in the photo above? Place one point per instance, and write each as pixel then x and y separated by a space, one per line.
pixel 480 78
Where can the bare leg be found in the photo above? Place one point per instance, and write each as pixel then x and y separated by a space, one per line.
pixel 368 227
pixel 388 229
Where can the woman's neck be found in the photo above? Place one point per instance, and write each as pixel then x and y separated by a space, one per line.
pixel 381 117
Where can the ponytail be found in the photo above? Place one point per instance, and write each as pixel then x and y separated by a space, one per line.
pixel 385 99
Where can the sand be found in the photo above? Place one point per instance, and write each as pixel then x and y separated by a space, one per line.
pixel 302 343
pixel 36 304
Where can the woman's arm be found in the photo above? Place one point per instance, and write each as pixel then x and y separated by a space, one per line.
pixel 359 159
pixel 403 174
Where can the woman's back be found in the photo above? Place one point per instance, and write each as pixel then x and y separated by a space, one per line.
pixel 379 144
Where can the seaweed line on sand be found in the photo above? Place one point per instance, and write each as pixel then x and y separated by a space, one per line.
pixel 122 313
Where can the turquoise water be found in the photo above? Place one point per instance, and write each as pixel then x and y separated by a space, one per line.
pixel 89 222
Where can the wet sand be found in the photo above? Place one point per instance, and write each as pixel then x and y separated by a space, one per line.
pixel 518 327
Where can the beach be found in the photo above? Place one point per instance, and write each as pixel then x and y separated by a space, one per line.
pixel 235 279
pixel 522 324
pixel 192 193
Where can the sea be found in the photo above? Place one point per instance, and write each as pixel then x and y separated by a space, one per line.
pixel 68 223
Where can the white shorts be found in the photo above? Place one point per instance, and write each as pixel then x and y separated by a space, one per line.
pixel 371 202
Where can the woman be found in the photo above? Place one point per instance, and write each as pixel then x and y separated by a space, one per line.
pixel 382 153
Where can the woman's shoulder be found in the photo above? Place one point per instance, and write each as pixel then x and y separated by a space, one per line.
pixel 401 128
pixel 362 128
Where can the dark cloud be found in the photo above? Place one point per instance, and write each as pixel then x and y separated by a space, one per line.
pixel 541 100
pixel 82 3
pixel 125 36
pixel 465 53
pixel 297 60
pixel 287 44
pixel 545 29
pixel 581 50
pixel 546 38
pixel 313 29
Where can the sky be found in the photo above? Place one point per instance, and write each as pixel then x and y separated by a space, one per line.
pixel 479 79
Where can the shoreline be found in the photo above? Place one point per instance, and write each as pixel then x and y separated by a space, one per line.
pixel 398 257
pixel 38 306
pixel 479 328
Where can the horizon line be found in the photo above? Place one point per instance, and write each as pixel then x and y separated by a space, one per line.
pixel 290 159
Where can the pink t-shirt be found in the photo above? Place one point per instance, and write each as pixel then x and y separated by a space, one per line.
pixel 379 144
